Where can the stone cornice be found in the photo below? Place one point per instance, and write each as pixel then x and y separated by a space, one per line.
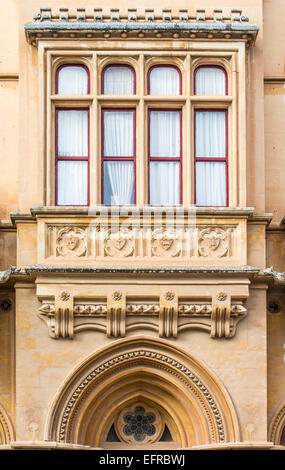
pixel 151 24
pixel 136 270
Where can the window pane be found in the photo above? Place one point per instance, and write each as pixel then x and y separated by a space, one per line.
pixel 72 80
pixel 118 183
pixel 210 134
pixel 118 133
pixel 72 183
pixel 210 81
pixel 164 81
pixel 164 183
pixel 164 133
pixel 72 133
pixel 118 81
pixel 211 184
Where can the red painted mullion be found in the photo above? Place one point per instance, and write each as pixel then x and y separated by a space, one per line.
pixel 74 159
pixel 212 159
pixel 110 159
pixel 165 159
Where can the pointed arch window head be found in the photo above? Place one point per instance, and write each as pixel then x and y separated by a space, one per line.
pixel 164 80
pixel 72 79
pixel 210 80
pixel 118 79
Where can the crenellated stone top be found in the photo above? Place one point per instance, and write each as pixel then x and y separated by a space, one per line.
pixel 150 23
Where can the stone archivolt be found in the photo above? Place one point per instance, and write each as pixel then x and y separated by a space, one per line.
pixel 166 315
pixel 277 425
pixel 128 373
pixel 6 428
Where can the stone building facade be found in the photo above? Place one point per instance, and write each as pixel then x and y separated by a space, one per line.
pixel 142 225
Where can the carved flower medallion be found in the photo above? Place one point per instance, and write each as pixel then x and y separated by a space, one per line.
pixel 117 295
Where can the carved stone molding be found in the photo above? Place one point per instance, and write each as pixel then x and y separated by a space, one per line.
pixel 6 427
pixel 143 356
pixel 168 315
pixel 277 425
pixel 105 243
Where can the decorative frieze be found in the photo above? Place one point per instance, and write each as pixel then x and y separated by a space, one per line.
pixel 167 315
pixel 201 243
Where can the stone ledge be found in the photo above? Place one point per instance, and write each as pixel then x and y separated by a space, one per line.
pixel 151 24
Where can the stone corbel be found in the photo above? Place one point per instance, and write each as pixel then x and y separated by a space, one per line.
pixel 225 316
pixel 221 314
pixel 168 315
pixel 116 315
pixel 59 316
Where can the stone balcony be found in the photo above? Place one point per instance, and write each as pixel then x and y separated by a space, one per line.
pixel 148 237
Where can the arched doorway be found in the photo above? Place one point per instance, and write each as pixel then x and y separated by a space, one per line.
pixel 149 378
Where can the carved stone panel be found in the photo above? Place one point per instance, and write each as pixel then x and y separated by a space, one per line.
pixel 166 243
pixel 199 243
pixel 214 242
pixel 119 243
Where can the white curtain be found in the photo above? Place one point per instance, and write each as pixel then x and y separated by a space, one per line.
pixel 72 183
pixel 164 134
pixel 72 176
pixel 119 81
pixel 72 80
pixel 164 183
pixel 118 183
pixel 211 184
pixel 210 81
pixel 72 133
pixel 210 134
pixel 164 81
pixel 118 133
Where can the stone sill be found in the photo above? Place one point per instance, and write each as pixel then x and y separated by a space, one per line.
pixel 135 211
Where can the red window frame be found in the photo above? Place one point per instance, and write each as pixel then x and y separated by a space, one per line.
pixel 118 65
pixel 164 66
pixel 72 65
pixel 73 158
pixel 105 158
pixel 211 66
pixel 166 159
pixel 213 159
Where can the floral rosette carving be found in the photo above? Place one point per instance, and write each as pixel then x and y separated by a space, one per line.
pixel 119 242
pixel 213 242
pixel 166 243
pixel 71 241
